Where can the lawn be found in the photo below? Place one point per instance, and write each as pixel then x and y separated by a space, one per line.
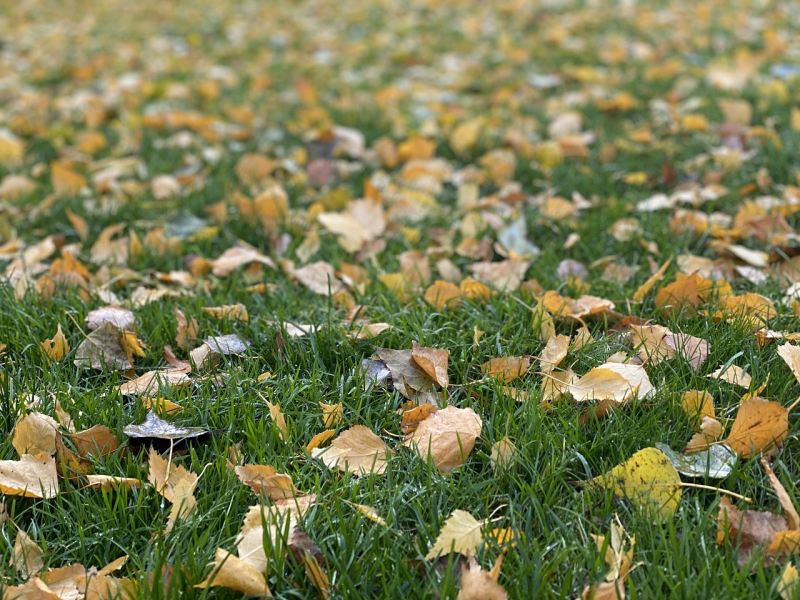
pixel 615 185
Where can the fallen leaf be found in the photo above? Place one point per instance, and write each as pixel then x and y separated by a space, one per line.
pixel 433 361
pixel 791 356
pixel 234 312
pixel 732 374
pixel 103 349
pixel 155 428
pixel 165 476
pixel 56 347
pixel 554 352
pixel 187 329
pixel 443 294
pixel 647 478
pixel 792 518
pixel 69 465
pixel 236 257
pixel 698 405
pixel 787 584
pixel 121 318
pixel 617 382
pixel 161 406
pixel 30 476
pixel 477 584
pixel 319 277
pixel 447 436
pixel 151 382
pixel 280 421
pixel 461 534
pixel 27 557
pixel 370 513
pixel 35 433
pixel 408 377
pixel 316 575
pixel 231 572
pixel 645 288
pixel 759 425
pixel 356 450
pixel 716 461
pixel 111 483
pixel 97 441
pixel 503 455
pixel 320 438
pixel 506 368
pixel 332 414
pixel 266 481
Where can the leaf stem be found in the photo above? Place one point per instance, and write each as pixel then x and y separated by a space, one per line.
pixel 700 486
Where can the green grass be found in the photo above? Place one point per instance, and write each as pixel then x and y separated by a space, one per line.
pixel 541 498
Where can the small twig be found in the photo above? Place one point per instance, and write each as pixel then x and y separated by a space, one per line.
pixel 76 324
pixel 710 488
pixel 792 405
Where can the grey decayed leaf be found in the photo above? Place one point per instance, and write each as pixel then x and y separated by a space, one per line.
pixel 155 427
pixel 227 344
pixel 716 461
pixel 102 349
pixel 376 373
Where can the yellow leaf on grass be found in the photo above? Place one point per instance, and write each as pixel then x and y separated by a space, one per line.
pixel 280 421
pixel 165 475
pixel 465 136
pixel 235 574
pixel 320 438
pixel 332 414
pixel 316 575
pixel 35 433
pixel 235 312
pixel 56 347
pixel 447 436
pixel 370 513
pixel 648 478
pixel 732 374
pixel 791 356
pixel 792 518
pixel 477 584
pixel 787 585
pixel 759 424
pixel 30 476
pixel 265 480
pixel 506 368
pixel 461 534
pixel 645 288
pixel 66 182
pixel 357 450
pixel 698 404
pixel 443 294
pixel 554 352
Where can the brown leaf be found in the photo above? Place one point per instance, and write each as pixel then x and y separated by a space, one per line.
pixel 98 441
pixel 265 480
pixel 357 450
pixel 56 347
pixel 316 575
pixel 103 349
pixel 30 476
pixel 69 465
pixel 433 361
pixel 506 368
pixel 792 518
pixel 447 436
pixel 35 433
pixel 111 483
pixel 752 529
pixel 759 424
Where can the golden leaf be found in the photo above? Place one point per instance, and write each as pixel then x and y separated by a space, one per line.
pixel 447 436
pixel 357 450
pixel 30 476
pixel 56 347
pixel 433 361
pixel 759 424
pixel 461 533
pixel 231 572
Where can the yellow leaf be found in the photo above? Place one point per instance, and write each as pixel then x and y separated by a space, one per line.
pixel 733 374
pixel 27 557
pixel 35 433
pixel 461 534
pixel 433 361
pixel 235 312
pixel 554 352
pixel 316 575
pixel 443 294
pixel 698 404
pixel 792 518
pixel 759 424
pixel 465 136
pixel 787 585
pixel 370 513
pixel 506 368
pixel 280 420
pixel 477 584
pixel 645 288
pixel 265 480
pixel 332 414
pixel 66 182
pixel 791 356
pixel 235 574
pixel 30 476
pixel 648 478
pixel 320 438
pixel 56 347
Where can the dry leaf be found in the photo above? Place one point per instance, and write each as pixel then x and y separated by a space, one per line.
pixel 316 575
pixel 791 356
pixel 97 441
pixel 27 557
pixel 332 414
pixel 56 347
pixel 265 480
pixel 187 329
pixel 280 421
pixel 121 318
pixel 461 533
pixel 236 257
pixel 165 475
pixel 554 352
pixel 698 405
pixel 408 377
pixel 320 438
pixel 792 518
pixel 477 584
pixel 645 288
pixel 443 294
pixel 35 433
pixel 369 512
pixel 447 436
pixel 616 382
pixel 504 454
pixel 356 450
pixel 732 374
pixel 759 425
pixel 433 361
pixel 787 585
pixel 103 349
pixel 506 368
pixel 231 572
pixel 151 382
pixel 30 476
pixel 111 483
pixel 319 277
pixel 647 478
pixel 69 465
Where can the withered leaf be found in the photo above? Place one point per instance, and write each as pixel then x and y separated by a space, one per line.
pixel 154 427
pixel 433 361
pixel 407 375
pixel 30 476
pixel 120 318
pixel 231 572
pixel 759 424
pixel 56 347
pixel 461 533
pixel 35 433
pixel 356 450
pixel 98 441
pixel 266 481
pixel 447 436
pixel 103 349
pixel 506 368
